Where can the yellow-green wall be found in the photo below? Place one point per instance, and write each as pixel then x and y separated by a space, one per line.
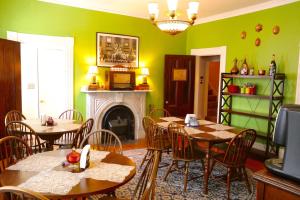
pixel 32 16
pixel 285 46
pixel 35 17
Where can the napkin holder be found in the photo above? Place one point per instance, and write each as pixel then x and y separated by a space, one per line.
pixel 85 157
pixel 191 120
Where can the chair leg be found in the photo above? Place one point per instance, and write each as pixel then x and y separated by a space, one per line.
pixel 148 153
pixel 186 174
pixel 169 169
pixel 228 182
pixel 246 179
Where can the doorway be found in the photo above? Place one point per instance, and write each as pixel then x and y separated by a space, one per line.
pixel 210 63
pixel 179 83
pixel 46 73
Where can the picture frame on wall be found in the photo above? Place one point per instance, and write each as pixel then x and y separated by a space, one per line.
pixel 114 49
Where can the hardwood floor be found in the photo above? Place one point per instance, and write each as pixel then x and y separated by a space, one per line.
pixel 134 144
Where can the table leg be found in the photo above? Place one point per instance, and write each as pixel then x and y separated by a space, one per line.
pixel 206 170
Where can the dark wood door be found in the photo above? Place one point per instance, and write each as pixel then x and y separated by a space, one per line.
pixel 10 79
pixel 179 84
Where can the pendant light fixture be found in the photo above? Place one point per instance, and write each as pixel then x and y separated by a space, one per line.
pixel 173 25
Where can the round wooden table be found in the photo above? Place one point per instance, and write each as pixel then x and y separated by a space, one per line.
pixel 84 188
pixel 52 133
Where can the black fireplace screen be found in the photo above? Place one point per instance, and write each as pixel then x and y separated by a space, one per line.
pixel 120 120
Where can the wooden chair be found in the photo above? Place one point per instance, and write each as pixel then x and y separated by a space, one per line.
pixel 236 155
pixel 66 139
pixel 26 133
pixel 71 114
pixel 16 193
pixel 159 112
pixel 12 149
pixel 13 115
pixel 183 150
pixel 145 188
pixel 104 140
pixel 84 130
pixel 156 138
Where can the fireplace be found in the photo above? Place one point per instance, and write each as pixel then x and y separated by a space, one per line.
pixel 120 120
pixel 102 104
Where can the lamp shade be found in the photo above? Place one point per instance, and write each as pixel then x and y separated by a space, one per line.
pixel 145 71
pixel 93 70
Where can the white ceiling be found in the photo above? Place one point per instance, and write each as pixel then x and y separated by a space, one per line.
pixel 209 10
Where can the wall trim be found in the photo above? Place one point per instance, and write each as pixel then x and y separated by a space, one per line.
pixel 215 51
pixel 245 10
pixel 250 9
pixel 259 146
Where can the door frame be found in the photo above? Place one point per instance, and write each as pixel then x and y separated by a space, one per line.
pixel 297 99
pixel 215 51
pixel 69 44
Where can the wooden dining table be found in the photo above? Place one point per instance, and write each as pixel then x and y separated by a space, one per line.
pixel 204 139
pixel 86 186
pixel 52 133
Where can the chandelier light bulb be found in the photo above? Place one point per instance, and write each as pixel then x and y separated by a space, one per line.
pixel 193 7
pixel 153 10
pixel 172 5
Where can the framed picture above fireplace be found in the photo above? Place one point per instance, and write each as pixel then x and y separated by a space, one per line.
pixel 115 49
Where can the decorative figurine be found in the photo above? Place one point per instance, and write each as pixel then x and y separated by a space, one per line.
pixel 244 68
pixel 235 69
pixel 272 69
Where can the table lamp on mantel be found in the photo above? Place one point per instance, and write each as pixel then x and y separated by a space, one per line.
pixel 144 73
pixel 93 71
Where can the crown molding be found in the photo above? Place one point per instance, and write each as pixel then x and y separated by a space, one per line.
pixel 245 10
pixel 233 13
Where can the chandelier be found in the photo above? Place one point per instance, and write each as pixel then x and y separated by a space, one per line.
pixel 173 25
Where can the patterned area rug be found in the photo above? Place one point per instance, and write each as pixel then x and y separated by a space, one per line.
pixel 172 189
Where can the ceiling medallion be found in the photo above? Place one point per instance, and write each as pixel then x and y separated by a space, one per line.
pixel 173 25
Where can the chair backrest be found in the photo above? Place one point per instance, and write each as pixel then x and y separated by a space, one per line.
pixel 103 140
pixel 71 114
pixel 154 136
pixel 12 192
pixel 13 115
pixel 145 188
pixel 83 131
pixel 239 148
pixel 182 147
pixel 12 149
pixel 26 133
pixel 159 112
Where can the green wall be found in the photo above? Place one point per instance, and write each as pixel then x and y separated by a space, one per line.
pixel 285 46
pixel 35 17
pixel 32 16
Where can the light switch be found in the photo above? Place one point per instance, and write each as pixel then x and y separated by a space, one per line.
pixel 31 86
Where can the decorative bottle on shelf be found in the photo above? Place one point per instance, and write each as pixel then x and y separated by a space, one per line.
pixel 235 69
pixel 272 69
pixel 244 68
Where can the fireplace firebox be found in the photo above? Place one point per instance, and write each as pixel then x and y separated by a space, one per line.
pixel 120 120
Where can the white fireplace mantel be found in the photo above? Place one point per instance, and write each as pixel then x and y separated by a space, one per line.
pixel 98 102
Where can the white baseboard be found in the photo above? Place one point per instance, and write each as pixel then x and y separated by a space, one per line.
pixel 259 146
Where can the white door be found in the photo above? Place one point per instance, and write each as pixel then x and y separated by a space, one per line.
pixel 47 74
